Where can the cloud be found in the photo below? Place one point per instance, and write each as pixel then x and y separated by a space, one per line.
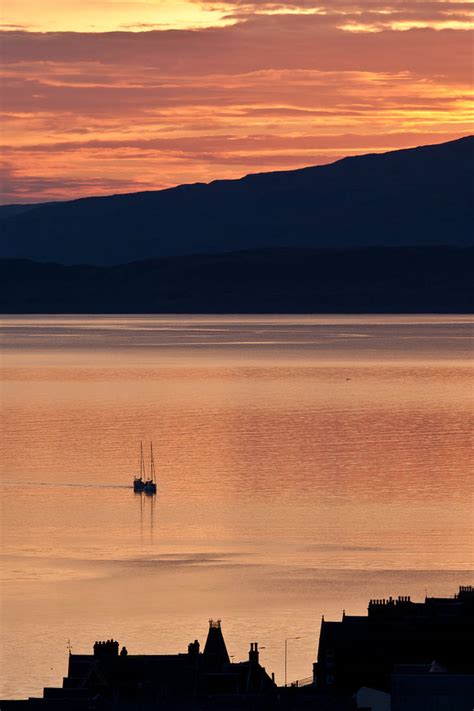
pixel 108 15
pixel 118 111
pixel 24 187
pixel 258 43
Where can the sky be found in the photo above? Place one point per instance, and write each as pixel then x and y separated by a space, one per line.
pixel 113 96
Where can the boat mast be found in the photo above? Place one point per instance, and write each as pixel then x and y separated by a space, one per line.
pixel 142 462
pixel 152 464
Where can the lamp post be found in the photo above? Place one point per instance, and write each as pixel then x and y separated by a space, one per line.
pixel 288 639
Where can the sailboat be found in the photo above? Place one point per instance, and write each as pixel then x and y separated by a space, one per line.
pixel 150 484
pixel 138 481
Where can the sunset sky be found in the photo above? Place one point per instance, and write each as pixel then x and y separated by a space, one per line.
pixel 106 96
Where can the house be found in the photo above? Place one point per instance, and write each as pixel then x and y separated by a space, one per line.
pixel 196 679
pixel 361 651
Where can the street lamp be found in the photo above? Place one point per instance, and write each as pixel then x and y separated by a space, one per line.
pixel 288 639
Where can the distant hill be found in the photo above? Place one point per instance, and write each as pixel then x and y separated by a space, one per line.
pixel 416 197
pixel 374 280
pixel 7 211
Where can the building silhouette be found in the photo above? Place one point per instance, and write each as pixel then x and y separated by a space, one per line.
pixel 362 651
pixel 402 655
pixel 110 678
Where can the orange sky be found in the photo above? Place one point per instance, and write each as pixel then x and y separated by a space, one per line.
pixel 103 96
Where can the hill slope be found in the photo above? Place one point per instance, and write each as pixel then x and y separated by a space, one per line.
pixel 375 280
pixel 415 197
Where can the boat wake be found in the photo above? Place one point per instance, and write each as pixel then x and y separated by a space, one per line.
pixel 63 485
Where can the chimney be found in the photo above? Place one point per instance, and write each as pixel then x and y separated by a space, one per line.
pixel 253 653
pixel 193 649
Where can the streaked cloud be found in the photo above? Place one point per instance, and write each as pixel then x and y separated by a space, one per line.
pixel 109 15
pixel 277 85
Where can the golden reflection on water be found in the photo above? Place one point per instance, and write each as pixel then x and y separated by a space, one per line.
pixel 327 463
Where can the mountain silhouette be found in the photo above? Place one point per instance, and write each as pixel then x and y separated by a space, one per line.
pixel 406 198
pixel 372 280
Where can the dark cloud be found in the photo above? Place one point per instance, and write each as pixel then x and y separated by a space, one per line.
pixel 260 43
pixel 20 188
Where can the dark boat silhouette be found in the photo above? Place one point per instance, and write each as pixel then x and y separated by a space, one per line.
pixel 141 483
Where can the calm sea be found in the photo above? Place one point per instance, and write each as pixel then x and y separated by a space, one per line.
pixel 304 466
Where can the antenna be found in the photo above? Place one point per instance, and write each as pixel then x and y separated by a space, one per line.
pixel 69 646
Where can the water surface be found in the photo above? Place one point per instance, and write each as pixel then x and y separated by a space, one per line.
pixel 305 465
